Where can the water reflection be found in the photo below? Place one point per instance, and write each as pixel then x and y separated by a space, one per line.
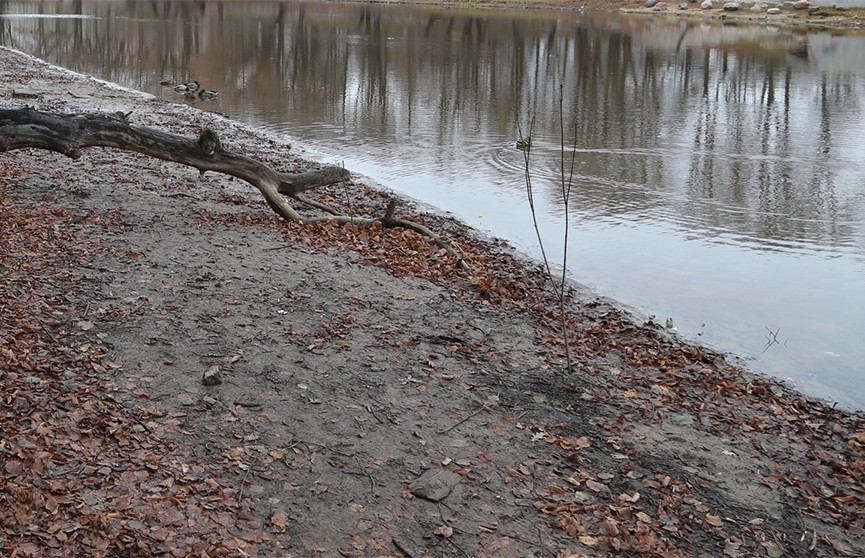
pixel 715 164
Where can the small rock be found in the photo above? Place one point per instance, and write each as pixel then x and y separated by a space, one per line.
pixel 89 500
pixel 773 11
pixel 801 5
pixel 841 7
pixel 706 5
pixel 434 485
pixel 755 9
pixel 731 6
pixel 660 6
pixel 71 384
pixel 209 401
pixel 813 9
pixel 683 5
pixel 650 3
pixel 212 377
pixel 682 419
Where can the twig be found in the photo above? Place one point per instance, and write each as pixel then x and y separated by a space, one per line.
pixel 558 288
pixel 48 333
pixel 347 198
pixel 402 547
pixel 242 482
pixel 479 411
pixel 372 412
pixel 771 339
pixel 453 544
pixel 362 473
pixel 394 223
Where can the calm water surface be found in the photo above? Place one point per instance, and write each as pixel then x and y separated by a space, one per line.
pixel 720 171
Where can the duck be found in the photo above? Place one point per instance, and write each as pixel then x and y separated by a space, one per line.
pixel 207 94
pixel 192 86
pixel 168 82
pixel 524 144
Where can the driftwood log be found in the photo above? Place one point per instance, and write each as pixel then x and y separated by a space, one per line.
pixel 69 134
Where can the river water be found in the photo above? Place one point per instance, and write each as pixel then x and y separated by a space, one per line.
pixel 719 175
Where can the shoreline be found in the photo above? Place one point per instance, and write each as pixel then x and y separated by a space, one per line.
pixel 339 348
pixel 826 18
pixel 829 18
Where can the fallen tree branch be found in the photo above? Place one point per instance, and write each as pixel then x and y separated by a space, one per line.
pixel 69 134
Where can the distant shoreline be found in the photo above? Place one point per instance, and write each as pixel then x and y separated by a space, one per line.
pixel 851 20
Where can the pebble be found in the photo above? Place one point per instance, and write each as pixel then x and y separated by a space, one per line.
pixel 706 5
pixel 801 5
pixel 212 377
pixel 773 11
pixel 731 6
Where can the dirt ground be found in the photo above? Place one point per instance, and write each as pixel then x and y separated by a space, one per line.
pixel 373 400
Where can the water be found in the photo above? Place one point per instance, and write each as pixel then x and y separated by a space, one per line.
pixel 719 176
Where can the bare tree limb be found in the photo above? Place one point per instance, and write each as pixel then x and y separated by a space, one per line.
pixel 69 134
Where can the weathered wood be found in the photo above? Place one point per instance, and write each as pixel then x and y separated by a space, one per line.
pixel 69 134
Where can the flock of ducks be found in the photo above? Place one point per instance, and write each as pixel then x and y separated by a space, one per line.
pixel 191 90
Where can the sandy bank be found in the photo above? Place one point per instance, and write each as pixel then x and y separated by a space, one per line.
pixel 356 365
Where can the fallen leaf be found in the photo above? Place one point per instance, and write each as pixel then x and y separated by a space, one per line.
pixel 772 549
pixel 279 520
pixel 629 498
pixel 609 528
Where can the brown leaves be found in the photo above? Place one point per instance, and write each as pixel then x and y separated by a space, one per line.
pixel 81 475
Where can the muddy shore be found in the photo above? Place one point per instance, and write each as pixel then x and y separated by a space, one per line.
pixel 375 401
